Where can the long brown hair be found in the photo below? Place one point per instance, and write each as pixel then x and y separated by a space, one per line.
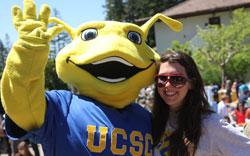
pixel 185 138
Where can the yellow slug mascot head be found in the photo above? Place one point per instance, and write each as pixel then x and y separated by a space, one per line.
pixel 109 61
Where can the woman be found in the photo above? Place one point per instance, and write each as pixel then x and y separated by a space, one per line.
pixel 183 123
pixel 240 114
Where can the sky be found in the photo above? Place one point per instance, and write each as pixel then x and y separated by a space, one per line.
pixel 73 12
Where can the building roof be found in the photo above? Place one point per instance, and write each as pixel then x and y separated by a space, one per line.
pixel 199 7
pixel 190 8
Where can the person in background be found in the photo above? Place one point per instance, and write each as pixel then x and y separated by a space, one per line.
pixel 244 94
pixel 214 90
pixel 242 82
pixel 222 90
pixel 222 106
pixel 228 86
pixel 141 96
pixel 240 114
pixel 182 122
pixel 236 87
pixel 234 91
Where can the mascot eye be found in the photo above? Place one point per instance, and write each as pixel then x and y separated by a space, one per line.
pixel 89 34
pixel 134 37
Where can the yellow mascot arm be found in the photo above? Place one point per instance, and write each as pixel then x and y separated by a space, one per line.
pixel 22 92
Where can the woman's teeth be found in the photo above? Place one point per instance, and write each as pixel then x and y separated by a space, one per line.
pixel 170 93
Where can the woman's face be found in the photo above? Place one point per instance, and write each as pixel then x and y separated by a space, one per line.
pixel 171 95
pixel 241 108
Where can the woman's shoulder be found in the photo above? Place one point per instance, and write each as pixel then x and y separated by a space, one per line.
pixel 213 121
pixel 211 116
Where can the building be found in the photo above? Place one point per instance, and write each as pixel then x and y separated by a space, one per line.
pixel 192 13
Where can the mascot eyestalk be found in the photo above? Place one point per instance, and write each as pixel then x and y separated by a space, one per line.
pixel 107 61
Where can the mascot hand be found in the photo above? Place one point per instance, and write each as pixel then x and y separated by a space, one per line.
pixel 30 29
pixel 22 92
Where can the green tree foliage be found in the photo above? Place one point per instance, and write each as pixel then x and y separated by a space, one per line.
pixel 228 46
pixel 4 50
pixel 208 70
pixel 176 46
pixel 130 10
pixel 239 65
pixel 51 79
pixel 114 10
pixel 2 55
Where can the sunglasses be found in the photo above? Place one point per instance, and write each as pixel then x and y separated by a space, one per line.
pixel 177 81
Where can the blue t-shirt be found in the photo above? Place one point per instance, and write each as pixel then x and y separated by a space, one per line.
pixel 79 126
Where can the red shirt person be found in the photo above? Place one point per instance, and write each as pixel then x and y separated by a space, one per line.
pixel 240 113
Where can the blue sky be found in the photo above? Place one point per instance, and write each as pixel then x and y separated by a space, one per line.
pixel 73 12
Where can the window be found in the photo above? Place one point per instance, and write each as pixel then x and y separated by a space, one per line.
pixel 214 20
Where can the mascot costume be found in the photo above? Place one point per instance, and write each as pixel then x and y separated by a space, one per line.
pixel 108 62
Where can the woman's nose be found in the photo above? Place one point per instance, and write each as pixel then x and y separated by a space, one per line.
pixel 168 84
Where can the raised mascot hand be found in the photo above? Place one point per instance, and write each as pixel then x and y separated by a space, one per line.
pixel 22 92
pixel 33 30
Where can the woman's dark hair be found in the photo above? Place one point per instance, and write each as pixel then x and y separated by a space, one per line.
pixel 238 106
pixel 189 116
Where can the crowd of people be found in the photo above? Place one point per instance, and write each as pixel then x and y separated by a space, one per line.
pixel 232 101
pixel 145 97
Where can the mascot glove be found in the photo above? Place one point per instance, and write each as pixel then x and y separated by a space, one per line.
pixel 33 32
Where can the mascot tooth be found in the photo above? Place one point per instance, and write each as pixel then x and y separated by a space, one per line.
pixel 107 61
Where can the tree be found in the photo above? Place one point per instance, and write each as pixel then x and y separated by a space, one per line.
pixel 225 43
pixel 114 10
pixel 2 55
pixel 8 43
pixel 181 47
pixel 4 50
pixel 51 79
pixel 208 70
pixel 130 10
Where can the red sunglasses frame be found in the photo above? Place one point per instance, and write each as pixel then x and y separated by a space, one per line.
pixel 168 79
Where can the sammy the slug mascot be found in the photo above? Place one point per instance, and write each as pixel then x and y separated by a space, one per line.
pixel 107 61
